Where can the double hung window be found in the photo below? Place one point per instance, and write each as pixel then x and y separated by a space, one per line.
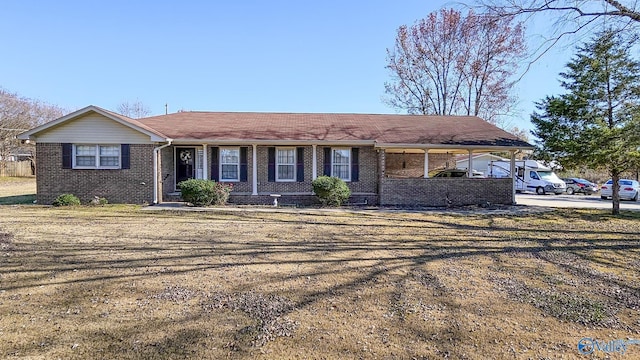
pixel 341 163
pixel 286 164
pixel 96 156
pixel 229 164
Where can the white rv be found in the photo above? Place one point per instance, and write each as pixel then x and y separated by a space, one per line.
pixel 530 176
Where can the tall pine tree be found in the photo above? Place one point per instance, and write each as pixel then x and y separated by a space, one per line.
pixel 597 122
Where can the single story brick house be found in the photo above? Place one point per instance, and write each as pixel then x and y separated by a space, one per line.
pixel 385 159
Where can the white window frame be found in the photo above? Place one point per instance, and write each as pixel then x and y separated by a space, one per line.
pixel 97 157
pixel 293 165
pixel 237 179
pixel 333 151
pixel 199 164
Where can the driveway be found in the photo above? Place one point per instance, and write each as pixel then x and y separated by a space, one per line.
pixel 573 201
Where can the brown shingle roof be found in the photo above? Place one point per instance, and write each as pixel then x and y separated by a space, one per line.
pixel 383 129
pixel 131 121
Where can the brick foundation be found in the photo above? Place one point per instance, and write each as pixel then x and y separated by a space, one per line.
pixel 299 200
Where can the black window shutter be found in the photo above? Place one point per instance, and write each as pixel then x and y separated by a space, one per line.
pixel 355 166
pixel 300 164
pixel 243 164
pixel 125 157
pixel 67 149
pixel 327 161
pixel 215 169
pixel 272 164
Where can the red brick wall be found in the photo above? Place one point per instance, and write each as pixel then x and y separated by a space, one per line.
pixel 445 191
pixel 134 185
pixel 264 186
pixel 366 185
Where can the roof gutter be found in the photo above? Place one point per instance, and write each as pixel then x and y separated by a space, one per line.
pixel 156 151
pixel 451 146
pixel 281 142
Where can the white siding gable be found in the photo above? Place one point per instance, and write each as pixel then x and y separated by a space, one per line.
pixel 95 129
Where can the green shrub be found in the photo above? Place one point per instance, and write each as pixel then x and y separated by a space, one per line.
pixel 200 192
pixel 332 191
pixel 66 200
pixel 99 201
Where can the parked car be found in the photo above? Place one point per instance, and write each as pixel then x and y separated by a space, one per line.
pixel 457 173
pixel 629 189
pixel 577 185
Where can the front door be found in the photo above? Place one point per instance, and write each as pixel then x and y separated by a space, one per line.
pixel 185 164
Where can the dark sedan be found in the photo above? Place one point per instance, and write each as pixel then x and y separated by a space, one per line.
pixel 577 185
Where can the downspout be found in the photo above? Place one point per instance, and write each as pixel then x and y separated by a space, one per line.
pixel 156 151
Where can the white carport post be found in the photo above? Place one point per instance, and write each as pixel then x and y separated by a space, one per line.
pixel 254 169
pixel 426 163
pixel 470 165
pixel 512 170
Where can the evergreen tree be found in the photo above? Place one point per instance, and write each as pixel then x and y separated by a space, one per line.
pixel 596 123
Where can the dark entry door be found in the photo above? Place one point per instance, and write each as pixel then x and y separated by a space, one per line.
pixel 185 164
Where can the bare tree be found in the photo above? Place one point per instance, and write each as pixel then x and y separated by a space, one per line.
pixel 448 64
pixel 569 17
pixel 520 133
pixel 570 9
pixel 134 110
pixel 19 114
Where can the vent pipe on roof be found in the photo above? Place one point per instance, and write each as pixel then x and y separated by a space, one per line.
pixel 166 108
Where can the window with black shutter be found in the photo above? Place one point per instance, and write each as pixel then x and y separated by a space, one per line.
pixel 243 164
pixel 271 152
pixel 215 163
pixel 300 164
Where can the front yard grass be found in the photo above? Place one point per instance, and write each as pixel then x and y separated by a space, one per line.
pixel 17 190
pixel 118 282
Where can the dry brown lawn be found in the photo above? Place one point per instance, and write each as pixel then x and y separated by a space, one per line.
pixel 120 282
pixel 17 190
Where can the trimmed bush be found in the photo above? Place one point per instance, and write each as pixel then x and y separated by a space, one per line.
pixel 331 191
pixel 99 201
pixel 200 192
pixel 66 200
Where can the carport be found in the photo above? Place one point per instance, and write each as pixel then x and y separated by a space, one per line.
pixel 405 175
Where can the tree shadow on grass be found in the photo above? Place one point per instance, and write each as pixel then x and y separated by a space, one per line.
pixel 346 261
pixel 18 199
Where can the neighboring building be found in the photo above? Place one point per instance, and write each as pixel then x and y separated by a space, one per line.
pixel 481 162
pixel 385 159
pixel 18 156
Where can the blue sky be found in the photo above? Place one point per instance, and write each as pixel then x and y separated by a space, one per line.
pixel 280 56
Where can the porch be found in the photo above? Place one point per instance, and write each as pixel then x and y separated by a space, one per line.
pixel 387 176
